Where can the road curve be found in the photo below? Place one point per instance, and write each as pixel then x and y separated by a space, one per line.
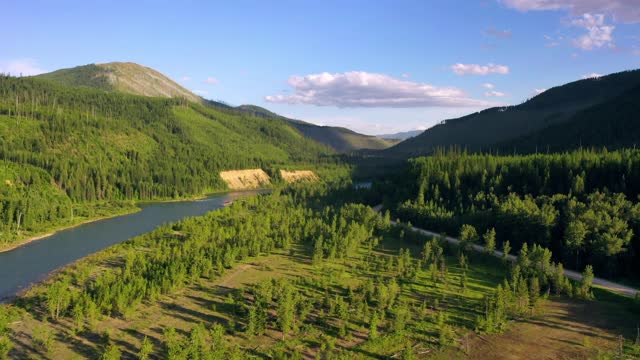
pixel 597 282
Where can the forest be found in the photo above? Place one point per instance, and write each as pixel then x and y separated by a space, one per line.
pixel 582 205
pixel 82 150
pixel 325 278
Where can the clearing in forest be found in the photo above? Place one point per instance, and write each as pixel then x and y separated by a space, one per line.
pixel 297 175
pixel 245 179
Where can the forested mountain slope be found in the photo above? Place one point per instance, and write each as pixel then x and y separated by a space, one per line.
pixel 79 145
pixel 136 79
pixel 613 124
pixel 338 138
pixel 487 129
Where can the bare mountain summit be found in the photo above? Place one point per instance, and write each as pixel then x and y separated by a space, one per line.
pixel 126 77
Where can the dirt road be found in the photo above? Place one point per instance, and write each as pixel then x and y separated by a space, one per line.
pixel 602 283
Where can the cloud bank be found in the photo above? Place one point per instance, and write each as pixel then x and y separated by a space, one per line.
pixel 627 11
pixel 363 89
pixel 598 33
pixel 494 93
pixel 475 69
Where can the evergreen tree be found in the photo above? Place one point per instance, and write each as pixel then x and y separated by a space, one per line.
pixel 490 241
pixel 112 353
pixel 506 250
pixel 373 325
pixel 586 282
pixel 146 349
pixel 468 236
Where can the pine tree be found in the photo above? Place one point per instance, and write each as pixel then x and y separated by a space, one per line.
pixel 462 260
pixel 318 251
pixel 534 293
pixel 252 322
pixel 112 353
pixel 286 310
pixel 506 249
pixel 373 325
pixel 145 349
pixel 586 282
pixel 468 236
pixel 407 352
pixel 463 282
pixel 490 241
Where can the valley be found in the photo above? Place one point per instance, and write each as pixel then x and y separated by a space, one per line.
pixel 194 229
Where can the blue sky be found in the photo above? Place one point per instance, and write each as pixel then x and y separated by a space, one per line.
pixel 373 66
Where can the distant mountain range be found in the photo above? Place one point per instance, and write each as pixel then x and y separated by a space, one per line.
pixel 592 112
pixel 136 79
pixel 339 138
pixel 401 135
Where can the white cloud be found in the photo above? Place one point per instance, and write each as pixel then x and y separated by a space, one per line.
pixel 475 69
pixel 627 11
pixel 501 34
pixel 488 86
pixel 362 89
pixel 211 81
pixel 552 41
pixel 598 33
pixel 494 93
pixel 185 78
pixel 406 76
pixel 18 67
pixel 591 76
pixel 539 91
pixel 200 92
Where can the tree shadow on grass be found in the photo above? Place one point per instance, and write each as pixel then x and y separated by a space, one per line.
pixel 190 315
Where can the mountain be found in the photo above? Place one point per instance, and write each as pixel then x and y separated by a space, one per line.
pixel 612 124
pixel 401 135
pixel 338 138
pixel 136 79
pixel 494 128
pixel 61 146
pixel 125 77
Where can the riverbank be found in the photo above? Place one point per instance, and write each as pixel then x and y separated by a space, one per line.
pixel 203 196
pixel 66 247
pixel 120 211
pixel 73 224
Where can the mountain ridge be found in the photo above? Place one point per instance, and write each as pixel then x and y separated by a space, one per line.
pixel 136 79
pixel 402 135
pixel 487 129
pixel 340 139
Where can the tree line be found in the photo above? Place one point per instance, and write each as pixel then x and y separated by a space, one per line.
pixel 582 205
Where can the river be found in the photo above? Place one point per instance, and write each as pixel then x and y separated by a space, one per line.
pixel 33 262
